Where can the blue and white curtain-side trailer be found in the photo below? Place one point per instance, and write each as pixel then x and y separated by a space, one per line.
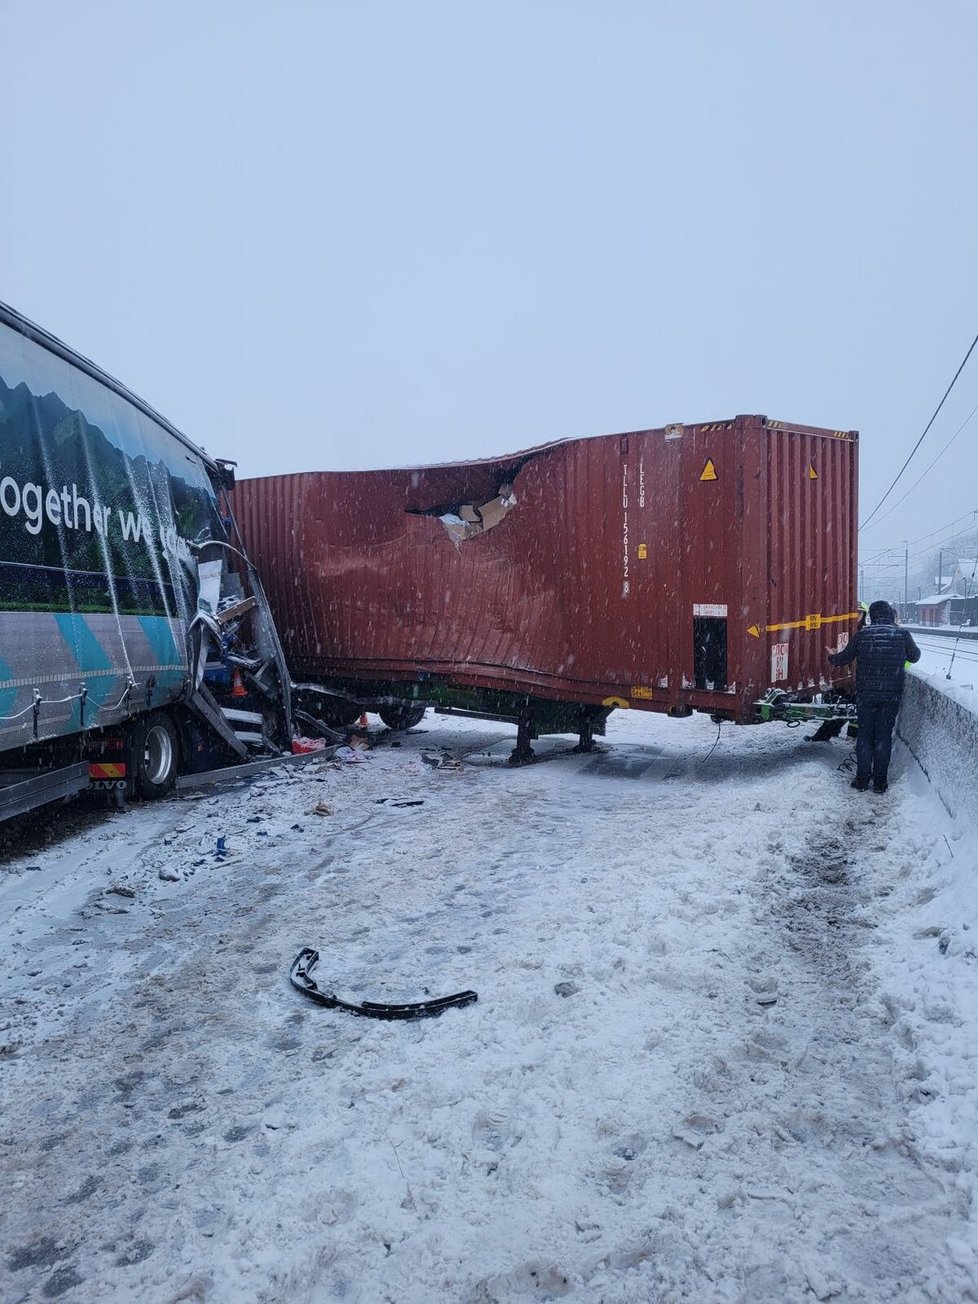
pixel 102 513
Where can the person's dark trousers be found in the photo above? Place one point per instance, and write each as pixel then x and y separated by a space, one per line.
pixel 875 740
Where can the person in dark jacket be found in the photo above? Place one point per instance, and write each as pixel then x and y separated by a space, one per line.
pixel 880 651
pixel 829 729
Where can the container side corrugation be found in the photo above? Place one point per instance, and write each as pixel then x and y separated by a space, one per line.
pixel 587 588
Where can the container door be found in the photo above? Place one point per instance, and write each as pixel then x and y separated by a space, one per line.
pixel 811 533
pixel 709 580
pixel 666 529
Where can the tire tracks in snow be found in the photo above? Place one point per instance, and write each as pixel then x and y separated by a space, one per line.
pixel 808 1081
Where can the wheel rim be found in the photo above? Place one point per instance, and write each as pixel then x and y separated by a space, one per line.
pixel 158 756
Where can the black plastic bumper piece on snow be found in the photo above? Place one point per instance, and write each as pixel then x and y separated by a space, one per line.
pixel 300 975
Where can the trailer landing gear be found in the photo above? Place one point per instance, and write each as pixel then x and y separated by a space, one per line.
pixel 586 721
pixel 585 732
pixel 523 753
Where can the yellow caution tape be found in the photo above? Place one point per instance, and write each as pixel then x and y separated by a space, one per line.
pixel 814 621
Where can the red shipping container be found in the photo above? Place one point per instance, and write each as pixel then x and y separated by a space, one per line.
pixel 686 568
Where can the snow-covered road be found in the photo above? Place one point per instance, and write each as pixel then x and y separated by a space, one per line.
pixel 725 1046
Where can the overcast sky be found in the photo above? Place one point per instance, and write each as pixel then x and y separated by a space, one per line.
pixel 318 234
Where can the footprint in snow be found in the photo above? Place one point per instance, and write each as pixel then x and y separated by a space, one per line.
pixel 530 1281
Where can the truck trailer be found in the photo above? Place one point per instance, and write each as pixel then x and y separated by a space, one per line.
pixel 693 567
pixel 135 641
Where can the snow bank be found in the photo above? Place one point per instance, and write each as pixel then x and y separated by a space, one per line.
pixel 926 947
pixel 939 726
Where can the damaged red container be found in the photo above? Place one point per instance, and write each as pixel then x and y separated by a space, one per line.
pixel 686 568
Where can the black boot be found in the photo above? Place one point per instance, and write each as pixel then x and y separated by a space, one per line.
pixel 826 731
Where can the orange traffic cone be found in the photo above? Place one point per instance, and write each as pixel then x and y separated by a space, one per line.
pixel 237 685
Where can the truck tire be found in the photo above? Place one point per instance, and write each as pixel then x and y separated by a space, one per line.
pixel 155 756
pixel 404 716
pixel 342 714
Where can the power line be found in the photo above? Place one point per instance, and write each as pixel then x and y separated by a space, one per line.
pixel 941 528
pixel 921 439
pixel 930 468
pixel 930 535
pixel 920 559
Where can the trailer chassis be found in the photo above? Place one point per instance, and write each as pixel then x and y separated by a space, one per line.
pixel 777 704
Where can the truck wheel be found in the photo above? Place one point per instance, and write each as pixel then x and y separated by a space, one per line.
pixel 155 752
pixel 405 716
pixel 342 715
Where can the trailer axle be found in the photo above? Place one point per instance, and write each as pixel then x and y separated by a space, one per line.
pixel 776 704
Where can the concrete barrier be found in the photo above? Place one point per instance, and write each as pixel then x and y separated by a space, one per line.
pixel 940 729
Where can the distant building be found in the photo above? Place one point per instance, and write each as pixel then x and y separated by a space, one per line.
pixel 964 611
pixel 935 610
pixel 954 600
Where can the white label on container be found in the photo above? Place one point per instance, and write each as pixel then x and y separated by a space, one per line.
pixel 710 609
pixel 779 662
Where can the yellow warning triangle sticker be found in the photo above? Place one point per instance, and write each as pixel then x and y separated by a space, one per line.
pixel 709 471
pixel 812 473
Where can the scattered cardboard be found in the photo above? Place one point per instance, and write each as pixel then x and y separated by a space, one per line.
pixel 472 519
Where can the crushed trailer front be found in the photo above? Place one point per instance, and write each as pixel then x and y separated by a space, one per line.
pixel 680 569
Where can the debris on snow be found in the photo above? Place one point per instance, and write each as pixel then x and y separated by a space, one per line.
pixel 303 746
pixel 446 761
pixel 302 980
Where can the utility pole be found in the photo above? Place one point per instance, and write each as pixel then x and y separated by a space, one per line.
pixel 862 584
pixel 940 572
pixel 906 564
